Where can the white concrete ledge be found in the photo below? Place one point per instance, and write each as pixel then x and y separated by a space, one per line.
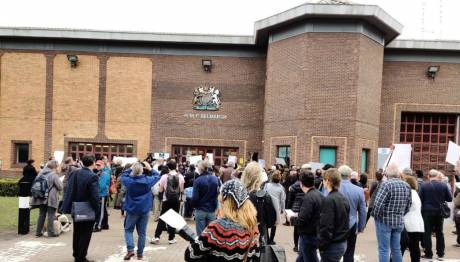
pixel 442 45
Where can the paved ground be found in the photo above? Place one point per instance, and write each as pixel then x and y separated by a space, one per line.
pixel 108 246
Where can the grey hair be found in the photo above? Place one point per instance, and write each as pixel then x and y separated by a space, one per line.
pixel 345 171
pixel 52 164
pixel 203 165
pixel 392 170
pixel 433 173
pixel 137 169
pixel 407 172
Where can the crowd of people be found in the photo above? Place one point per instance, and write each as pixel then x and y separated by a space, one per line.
pixel 237 209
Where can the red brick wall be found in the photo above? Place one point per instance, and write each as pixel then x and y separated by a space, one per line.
pixel 241 83
pixel 406 88
pixel 316 84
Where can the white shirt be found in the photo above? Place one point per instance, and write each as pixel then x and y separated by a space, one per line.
pixel 413 220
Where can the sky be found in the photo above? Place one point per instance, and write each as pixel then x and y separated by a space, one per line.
pixel 422 19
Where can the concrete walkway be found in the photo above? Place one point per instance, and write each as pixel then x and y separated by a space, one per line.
pixel 109 246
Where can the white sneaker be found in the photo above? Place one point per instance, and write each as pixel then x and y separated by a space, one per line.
pixel 171 242
pixel 155 241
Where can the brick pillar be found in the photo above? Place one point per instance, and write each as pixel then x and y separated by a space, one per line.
pixel 102 96
pixel 48 106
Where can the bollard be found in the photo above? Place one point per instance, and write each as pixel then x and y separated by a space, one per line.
pixel 24 208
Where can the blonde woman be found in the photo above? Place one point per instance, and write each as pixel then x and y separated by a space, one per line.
pixel 260 198
pixel 232 237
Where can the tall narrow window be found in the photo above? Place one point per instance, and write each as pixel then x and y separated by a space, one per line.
pixel 365 160
pixel 328 155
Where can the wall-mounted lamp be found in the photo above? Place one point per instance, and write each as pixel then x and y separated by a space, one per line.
pixel 73 60
pixel 207 65
pixel 432 71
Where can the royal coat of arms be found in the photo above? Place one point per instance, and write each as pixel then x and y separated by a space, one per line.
pixel 206 98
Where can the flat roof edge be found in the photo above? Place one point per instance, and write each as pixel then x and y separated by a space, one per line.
pixel 30 32
pixel 413 44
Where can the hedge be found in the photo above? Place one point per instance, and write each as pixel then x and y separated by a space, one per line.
pixel 8 187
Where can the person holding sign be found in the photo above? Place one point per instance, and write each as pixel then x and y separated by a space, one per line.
pixel 234 236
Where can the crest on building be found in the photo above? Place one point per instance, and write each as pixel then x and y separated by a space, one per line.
pixel 206 98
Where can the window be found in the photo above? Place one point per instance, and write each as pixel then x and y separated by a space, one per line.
pixel 21 152
pixel 79 149
pixel 328 155
pixel 365 160
pixel 429 135
pixel 283 152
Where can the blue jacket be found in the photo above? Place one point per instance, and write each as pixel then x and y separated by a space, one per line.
pixel 355 197
pixel 205 192
pixel 138 192
pixel 104 182
pixel 87 190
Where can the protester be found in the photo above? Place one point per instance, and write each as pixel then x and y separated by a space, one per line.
pixel 189 178
pixel 29 173
pixel 82 187
pixel 308 218
pixel 391 204
pixel 295 197
pixel 234 236
pixel 457 215
pixel 266 213
pixel 65 169
pixel 137 206
pixel 226 172
pixel 276 192
pixel 104 184
pixel 413 223
pixel 357 217
pixel 204 198
pixel 373 192
pixel 354 178
pixel 433 194
pixel 319 179
pixel 45 196
pixel 172 187
pixel 334 219
pixel 420 179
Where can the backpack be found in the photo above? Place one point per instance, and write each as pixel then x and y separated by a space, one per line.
pixel 172 188
pixel 266 212
pixel 39 187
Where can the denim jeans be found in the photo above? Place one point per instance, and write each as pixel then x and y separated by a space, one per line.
pixel 308 246
pixel 334 252
pixel 202 220
pixel 389 238
pixel 140 222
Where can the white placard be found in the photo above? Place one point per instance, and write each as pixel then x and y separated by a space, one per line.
pixel 280 161
pixel 126 160
pixel 24 202
pixel 315 166
pixel 232 159
pixel 59 156
pixel 457 184
pixel 289 212
pixel 382 156
pixel 210 157
pixel 401 155
pixel 195 159
pixel 453 153
pixel 261 163
pixel 173 219
pixel 161 155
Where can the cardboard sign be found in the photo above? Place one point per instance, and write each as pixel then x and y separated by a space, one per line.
pixel 210 158
pixel 401 155
pixel 280 161
pixel 59 156
pixel 262 163
pixel 232 159
pixel 453 153
pixel 195 159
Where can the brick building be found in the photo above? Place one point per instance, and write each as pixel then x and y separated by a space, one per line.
pixel 318 82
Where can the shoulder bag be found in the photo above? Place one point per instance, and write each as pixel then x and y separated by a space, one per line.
pixel 445 209
pixel 81 211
